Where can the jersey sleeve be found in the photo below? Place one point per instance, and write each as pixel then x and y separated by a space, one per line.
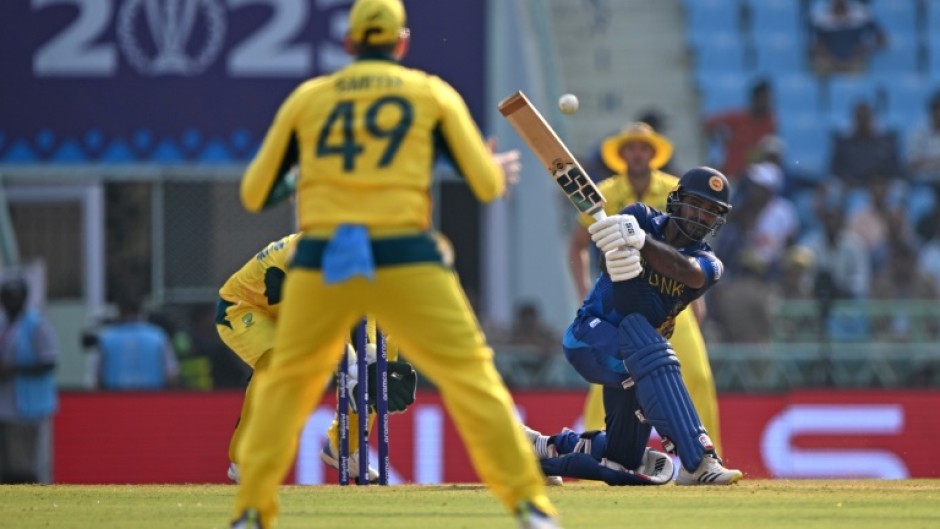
pixel 264 181
pixel 711 266
pixel 641 212
pixel 464 144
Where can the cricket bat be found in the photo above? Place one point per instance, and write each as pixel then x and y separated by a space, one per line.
pixel 554 155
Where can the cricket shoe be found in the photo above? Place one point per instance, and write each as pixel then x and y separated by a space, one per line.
pixel 250 519
pixel 328 456
pixel 709 472
pixel 233 475
pixel 543 450
pixel 529 516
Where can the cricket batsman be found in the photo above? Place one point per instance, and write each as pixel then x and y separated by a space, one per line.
pixel 655 264
pixel 635 155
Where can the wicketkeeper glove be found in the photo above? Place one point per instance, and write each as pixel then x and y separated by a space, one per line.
pixel 402 382
pixel 617 231
pixel 402 385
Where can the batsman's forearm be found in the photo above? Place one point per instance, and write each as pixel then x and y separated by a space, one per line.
pixel 667 261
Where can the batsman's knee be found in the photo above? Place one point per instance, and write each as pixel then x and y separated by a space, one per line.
pixel 642 348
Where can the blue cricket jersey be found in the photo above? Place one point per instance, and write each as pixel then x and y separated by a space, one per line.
pixel 657 297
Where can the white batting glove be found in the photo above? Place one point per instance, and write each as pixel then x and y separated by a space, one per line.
pixel 623 264
pixel 617 231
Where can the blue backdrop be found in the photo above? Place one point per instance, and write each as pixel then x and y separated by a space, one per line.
pixel 189 81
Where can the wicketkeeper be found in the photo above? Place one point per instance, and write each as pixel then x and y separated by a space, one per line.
pixel 246 316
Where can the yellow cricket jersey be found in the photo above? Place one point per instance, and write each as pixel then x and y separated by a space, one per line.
pixel 258 282
pixel 366 138
pixel 619 194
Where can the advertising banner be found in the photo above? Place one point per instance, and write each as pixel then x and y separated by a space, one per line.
pixel 189 81
pixel 183 437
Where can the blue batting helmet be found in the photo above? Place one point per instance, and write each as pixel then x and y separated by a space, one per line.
pixel 707 184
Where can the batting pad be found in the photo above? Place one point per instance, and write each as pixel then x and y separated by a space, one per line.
pixel 663 396
pixel 583 466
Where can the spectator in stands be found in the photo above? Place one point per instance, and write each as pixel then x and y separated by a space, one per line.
pixel 901 280
pixel 767 225
pixel 843 35
pixel 739 131
pixel 532 352
pixel 796 281
pixel 877 223
pixel 28 395
pixel 839 255
pixel 928 259
pixel 132 354
pixel 772 149
pixel 529 330
pixel 743 308
pixel 923 148
pixel 841 270
pixel 795 284
pixel 864 151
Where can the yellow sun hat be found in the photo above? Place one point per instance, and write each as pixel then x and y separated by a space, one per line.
pixel 636 131
pixel 376 21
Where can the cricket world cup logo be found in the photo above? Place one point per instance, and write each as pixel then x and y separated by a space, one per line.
pixel 171 37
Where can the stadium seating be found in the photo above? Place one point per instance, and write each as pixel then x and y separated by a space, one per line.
pixel 897 17
pixel 932 45
pixel 796 92
pixel 808 142
pixel 900 56
pixel 714 15
pixel 723 91
pixel 720 53
pixel 907 96
pixel 775 16
pixel 779 52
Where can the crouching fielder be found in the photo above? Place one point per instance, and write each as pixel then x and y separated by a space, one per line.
pixel 246 314
pixel 655 265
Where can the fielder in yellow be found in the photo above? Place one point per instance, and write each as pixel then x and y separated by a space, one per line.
pixel 365 139
pixel 635 156
pixel 246 314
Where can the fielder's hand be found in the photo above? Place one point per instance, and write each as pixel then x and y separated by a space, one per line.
pixel 508 162
pixel 623 264
pixel 617 231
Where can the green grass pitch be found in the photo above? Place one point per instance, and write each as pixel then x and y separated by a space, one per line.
pixel 751 504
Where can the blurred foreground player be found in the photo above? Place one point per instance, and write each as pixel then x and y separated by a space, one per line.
pixel 246 315
pixel 655 265
pixel 365 139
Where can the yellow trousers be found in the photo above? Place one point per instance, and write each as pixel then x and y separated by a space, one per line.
pixel 251 337
pixel 424 306
pixel 696 373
